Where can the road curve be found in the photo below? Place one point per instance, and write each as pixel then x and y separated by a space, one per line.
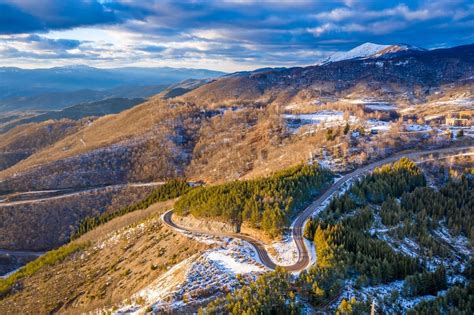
pixel 298 224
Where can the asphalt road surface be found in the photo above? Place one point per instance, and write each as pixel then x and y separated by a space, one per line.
pixel 47 195
pixel 298 225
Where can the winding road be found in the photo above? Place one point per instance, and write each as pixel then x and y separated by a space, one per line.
pixel 298 225
pixel 48 195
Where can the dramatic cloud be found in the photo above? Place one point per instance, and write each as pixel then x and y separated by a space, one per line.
pixel 21 16
pixel 227 35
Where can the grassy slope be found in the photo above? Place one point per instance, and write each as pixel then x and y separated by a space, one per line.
pixel 108 270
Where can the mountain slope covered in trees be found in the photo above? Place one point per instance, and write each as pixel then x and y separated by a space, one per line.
pixel 359 259
pixel 265 203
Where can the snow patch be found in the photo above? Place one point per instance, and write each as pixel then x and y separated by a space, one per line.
pixel 469 101
pixel 384 290
pixel 329 118
pixel 379 125
pixel 200 277
pixel 416 127
pixel 372 104
pixel 123 234
pixel 234 262
pixel 382 106
pixel 460 243
pixel 312 252
pixel 283 252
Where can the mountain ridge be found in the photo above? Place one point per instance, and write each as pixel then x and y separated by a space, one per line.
pixel 24 88
pixel 402 72
pixel 277 85
pixel 371 50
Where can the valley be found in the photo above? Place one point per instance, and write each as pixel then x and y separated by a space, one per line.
pixel 258 259
pixel 336 184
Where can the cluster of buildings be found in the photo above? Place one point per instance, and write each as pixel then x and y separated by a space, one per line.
pixel 460 119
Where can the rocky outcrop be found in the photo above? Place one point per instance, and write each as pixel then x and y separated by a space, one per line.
pixel 220 227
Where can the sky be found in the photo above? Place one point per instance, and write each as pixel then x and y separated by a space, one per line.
pixel 218 35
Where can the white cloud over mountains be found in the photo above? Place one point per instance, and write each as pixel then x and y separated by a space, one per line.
pixel 226 35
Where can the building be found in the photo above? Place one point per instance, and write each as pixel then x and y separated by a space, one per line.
pixel 461 119
pixel 458 122
pixel 435 119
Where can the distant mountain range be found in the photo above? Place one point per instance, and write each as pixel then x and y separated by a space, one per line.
pixel 76 112
pixel 59 100
pixel 59 87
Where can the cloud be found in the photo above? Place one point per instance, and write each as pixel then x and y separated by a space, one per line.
pixel 40 48
pixel 152 48
pixel 23 16
pixel 230 34
pixel 51 44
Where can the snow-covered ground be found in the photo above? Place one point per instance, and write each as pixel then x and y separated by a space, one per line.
pixel 361 51
pixel 388 297
pixel 418 128
pixel 327 161
pixel 328 118
pixel 466 101
pixel 385 290
pixel 378 226
pixel 237 258
pixel 380 106
pixel 283 252
pixel 156 293
pixel 460 243
pixel 379 125
pixel 312 252
pixel 390 294
pixel 372 104
pixel 218 270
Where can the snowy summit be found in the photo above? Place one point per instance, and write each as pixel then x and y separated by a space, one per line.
pixel 371 50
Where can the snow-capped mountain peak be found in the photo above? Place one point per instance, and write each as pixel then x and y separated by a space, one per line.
pixel 362 51
pixel 371 50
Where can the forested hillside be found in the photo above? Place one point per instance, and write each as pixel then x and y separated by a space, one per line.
pixel 265 203
pixel 364 247
pixel 22 141
pixel 270 294
pixel 169 190
pixel 458 299
pixel 363 235
pixel 51 222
